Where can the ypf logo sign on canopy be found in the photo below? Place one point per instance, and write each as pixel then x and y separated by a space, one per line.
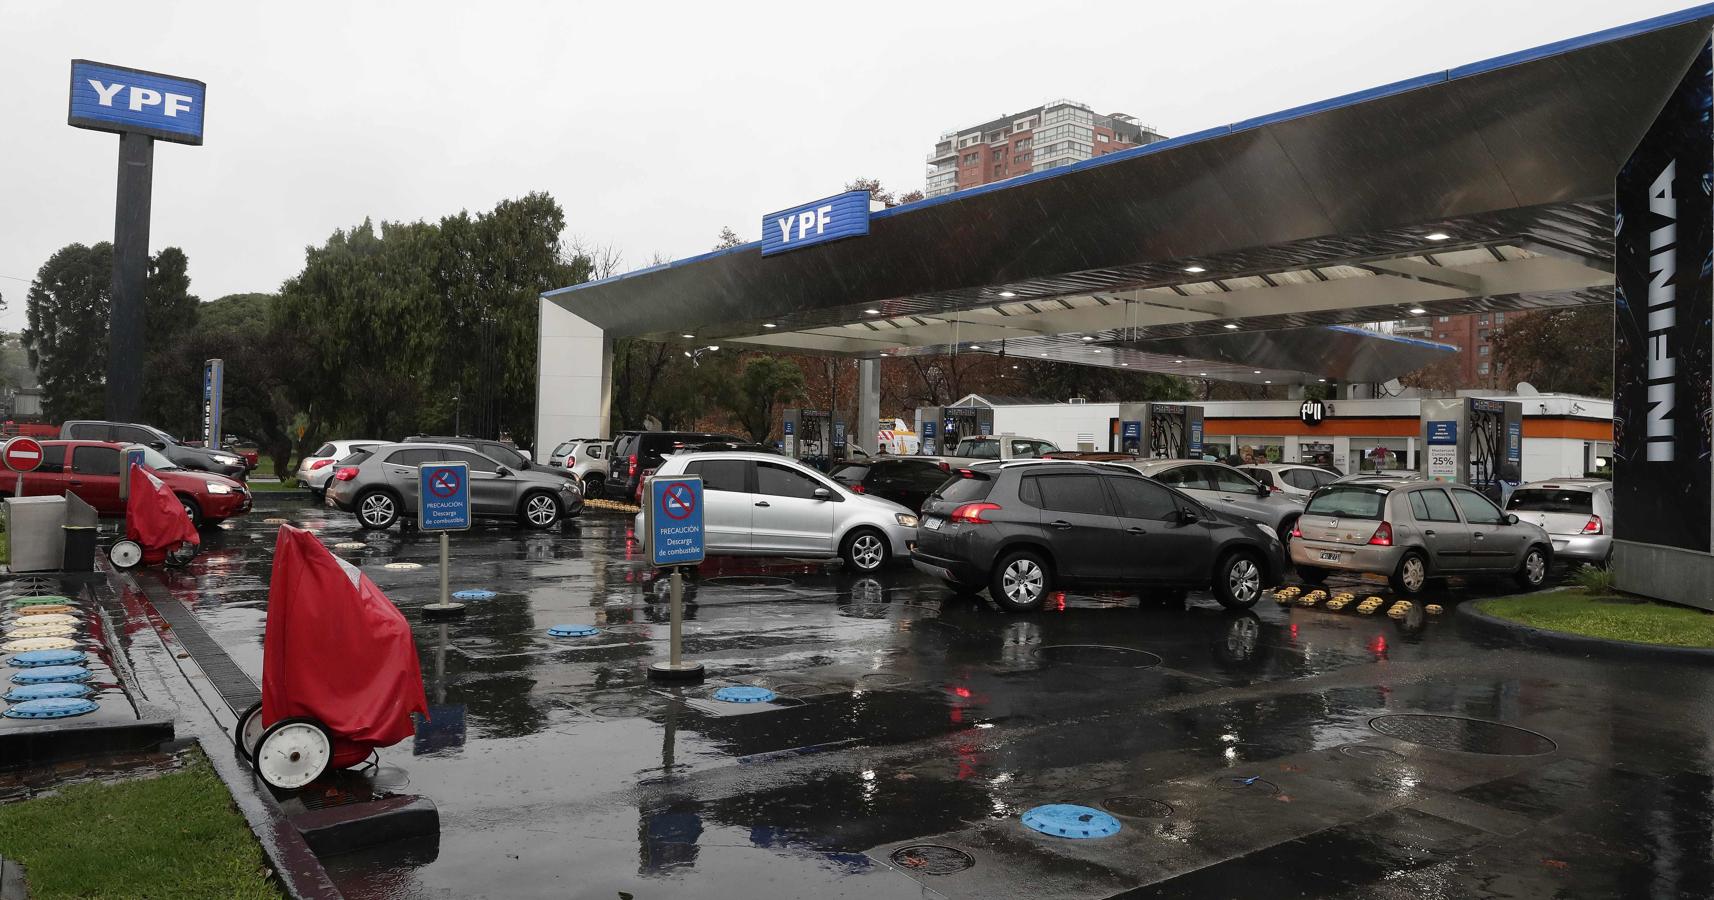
pixel 115 98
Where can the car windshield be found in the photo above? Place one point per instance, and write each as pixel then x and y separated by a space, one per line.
pixel 1348 501
pixel 850 473
pixel 154 459
pixel 978 448
pixel 1551 500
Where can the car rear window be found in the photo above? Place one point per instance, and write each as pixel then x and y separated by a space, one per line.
pixel 1348 501
pixel 968 486
pixel 1551 500
pixel 325 450
pixel 978 448
pixel 358 458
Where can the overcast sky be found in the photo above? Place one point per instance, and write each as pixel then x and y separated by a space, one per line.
pixel 653 124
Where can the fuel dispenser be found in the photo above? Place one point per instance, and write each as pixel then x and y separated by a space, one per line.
pixel 814 436
pixel 1474 441
pixel 1156 430
pixel 940 428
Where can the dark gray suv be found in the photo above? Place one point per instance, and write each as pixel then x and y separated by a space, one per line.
pixel 1024 529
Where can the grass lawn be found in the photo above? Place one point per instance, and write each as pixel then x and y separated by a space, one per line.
pixel 175 835
pixel 262 487
pixel 1616 618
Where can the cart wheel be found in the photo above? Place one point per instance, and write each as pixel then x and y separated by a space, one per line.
pixel 293 753
pixel 125 554
pixel 248 732
pixel 182 555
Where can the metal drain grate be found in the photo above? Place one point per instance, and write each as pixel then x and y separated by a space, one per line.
pixel 1097 655
pixel 234 686
pixel 1137 807
pixel 1463 735
pixel 1373 754
pixel 933 859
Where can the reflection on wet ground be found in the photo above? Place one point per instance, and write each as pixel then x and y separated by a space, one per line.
pixel 1239 751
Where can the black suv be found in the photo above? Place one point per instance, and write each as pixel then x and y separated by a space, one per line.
pixel 220 462
pixel 1025 529
pixel 906 480
pixel 637 452
pixel 505 454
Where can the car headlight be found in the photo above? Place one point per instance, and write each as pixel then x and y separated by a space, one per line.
pixel 1269 532
pixel 219 488
pixel 906 519
pixel 225 460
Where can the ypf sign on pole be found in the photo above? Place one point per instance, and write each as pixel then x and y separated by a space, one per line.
pixel 141 107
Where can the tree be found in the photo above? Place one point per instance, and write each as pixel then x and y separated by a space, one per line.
pixel 763 385
pixel 876 191
pixel 66 338
pixel 728 240
pixel 1561 350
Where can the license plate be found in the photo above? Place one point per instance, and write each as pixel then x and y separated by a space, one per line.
pixel 932 523
pixel 1330 555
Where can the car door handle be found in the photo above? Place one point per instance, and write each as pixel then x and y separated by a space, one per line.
pixel 1061 524
pixel 1428 533
pixel 1478 535
pixel 1138 531
pixel 75 483
pixel 762 503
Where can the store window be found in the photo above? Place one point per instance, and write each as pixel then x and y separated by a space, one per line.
pixel 1256 451
pixel 1377 454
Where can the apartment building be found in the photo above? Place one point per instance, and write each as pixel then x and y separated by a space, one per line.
pixel 1473 335
pixel 1053 134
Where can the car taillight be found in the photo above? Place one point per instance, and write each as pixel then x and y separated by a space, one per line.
pixel 1296 530
pixel 320 464
pixel 1383 536
pixel 944 466
pixel 1593 526
pixel 633 462
pixel 971 513
pixel 966 473
pixel 345 474
pixel 859 489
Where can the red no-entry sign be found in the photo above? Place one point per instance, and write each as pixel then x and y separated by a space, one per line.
pixel 22 454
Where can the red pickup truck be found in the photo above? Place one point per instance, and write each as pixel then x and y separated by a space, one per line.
pixel 90 471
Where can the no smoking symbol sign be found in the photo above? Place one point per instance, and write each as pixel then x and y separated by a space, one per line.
pixel 678 502
pixel 444 483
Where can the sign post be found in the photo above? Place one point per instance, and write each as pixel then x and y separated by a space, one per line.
pixel 443 505
pixel 21 454
pixel 672 529
pixel 213 398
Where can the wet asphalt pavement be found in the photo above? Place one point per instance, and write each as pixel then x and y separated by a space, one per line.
pixel 1281 753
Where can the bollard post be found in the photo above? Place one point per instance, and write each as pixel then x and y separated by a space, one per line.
pixel 672 533
pixel 676 630
pixel 444 607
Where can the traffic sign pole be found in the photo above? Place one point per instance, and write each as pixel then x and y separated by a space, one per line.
pixel 673 529
pixel 443 505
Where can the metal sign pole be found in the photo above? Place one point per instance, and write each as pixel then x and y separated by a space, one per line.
pixel 673 535
pixel 676 633
pixel 443 505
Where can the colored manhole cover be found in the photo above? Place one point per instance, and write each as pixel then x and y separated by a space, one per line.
pixel 45 609
pixel 45 674
pixel 884 678
pixel 1137 807
pixel 744 693
pixel 1247 784
pixel 1097 655
pixel 932 859
pixel 27 644
pixel 1067 820
pixel 51 708
pixel 37 621
pixel 620 710
pixel 47 691
pixel 566 631
pixel 41 600
pixel 474 594
pixel 22 632
pixel 1364 751
pixel 1463 735
pixel 37 658
pixel 350 545
pixel 800 689
pixel 402 566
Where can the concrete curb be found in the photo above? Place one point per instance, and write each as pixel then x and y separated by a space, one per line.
pixel 1473 620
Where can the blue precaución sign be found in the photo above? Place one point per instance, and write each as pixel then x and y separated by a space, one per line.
pixel 1133 430
pixel 674 523
pixel 443 496
pixel 115 98
pixel 1443 432
pixel 840 216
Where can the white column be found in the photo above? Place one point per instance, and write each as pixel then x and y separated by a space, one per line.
pixel 574 379
pixel 862 432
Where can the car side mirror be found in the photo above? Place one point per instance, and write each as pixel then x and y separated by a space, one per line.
pixel 822 494
pixel 502 471
pixel 158 445
pixel 1188 516
pixel 1511 519
pixel 1263 491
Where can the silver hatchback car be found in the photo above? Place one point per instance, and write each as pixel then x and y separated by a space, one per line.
pixel 1225 489
pixel 380 486
pixel 1411 531
pixel 1576 512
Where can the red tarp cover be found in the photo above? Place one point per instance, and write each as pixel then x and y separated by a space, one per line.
pixel 154 517
pixel 336 649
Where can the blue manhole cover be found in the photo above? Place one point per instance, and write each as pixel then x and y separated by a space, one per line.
pixel 44 674
pixel 47 691
pixel 744 694
pixel 473 594
pixel 31 659
pixel 52 708
pixel 1070 821
pixel 573 631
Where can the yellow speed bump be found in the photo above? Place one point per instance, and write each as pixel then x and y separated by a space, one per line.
pixel 1340 602
pixel 1434 609
pixel 1368 607
pixel 45 609
pixel 1399 609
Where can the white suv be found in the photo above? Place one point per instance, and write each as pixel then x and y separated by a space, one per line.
pixel 587 461
pixel 759 504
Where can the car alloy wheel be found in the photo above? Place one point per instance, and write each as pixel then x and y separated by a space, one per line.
pixel 1534 569
pixel 1023 582
pixel 867 552
pixel 1244 580
pixel 377 510
pixel 1413 573
pixel 541 510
